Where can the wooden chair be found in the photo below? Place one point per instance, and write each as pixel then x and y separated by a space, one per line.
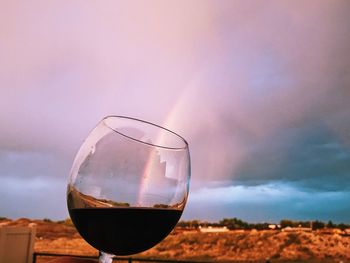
pixel 17 243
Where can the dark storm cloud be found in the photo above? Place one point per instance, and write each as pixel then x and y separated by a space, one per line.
pixel 312 157
pixel 33 197
pixel 268 203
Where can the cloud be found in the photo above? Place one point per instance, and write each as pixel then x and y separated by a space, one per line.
pixel 268 202
pixel 275 75
pixel 33 197
pixel 33 184
pixel 311 157
pixel 259 90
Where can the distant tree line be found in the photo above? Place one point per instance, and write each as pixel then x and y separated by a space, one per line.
pixel 230 223
pixel 312 224
pixel 235 223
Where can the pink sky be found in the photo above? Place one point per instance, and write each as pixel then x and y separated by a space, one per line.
pixel 229 76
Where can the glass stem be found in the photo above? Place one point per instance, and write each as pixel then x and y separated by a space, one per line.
pixel 105 258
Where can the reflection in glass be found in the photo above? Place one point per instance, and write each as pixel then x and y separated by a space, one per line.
pixel 128 185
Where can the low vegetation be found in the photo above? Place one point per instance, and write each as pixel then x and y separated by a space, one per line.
pixel 235 223
pixel 242 243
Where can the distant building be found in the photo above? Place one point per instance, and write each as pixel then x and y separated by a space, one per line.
pixel 274 226
pixel 347 231
pixel 211 229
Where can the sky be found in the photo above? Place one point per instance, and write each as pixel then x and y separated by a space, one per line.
pixel 259 89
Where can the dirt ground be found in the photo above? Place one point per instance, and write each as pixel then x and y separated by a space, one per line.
pixel 254 246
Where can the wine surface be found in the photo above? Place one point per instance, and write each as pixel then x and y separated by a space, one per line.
pixel 125 230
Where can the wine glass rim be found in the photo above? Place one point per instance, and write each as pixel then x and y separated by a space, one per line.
pixel 149 123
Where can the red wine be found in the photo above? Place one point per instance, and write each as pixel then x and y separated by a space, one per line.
pixel 125 230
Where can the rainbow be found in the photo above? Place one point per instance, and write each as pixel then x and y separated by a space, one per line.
pixel 170 121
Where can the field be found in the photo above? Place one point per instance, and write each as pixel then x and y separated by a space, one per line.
pixel 253 245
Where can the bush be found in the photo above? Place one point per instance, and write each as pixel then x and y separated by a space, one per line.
pixel 68 222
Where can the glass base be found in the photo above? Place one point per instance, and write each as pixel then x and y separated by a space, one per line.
pixel 105 258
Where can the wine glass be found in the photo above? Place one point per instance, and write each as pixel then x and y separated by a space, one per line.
pixel 128 185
